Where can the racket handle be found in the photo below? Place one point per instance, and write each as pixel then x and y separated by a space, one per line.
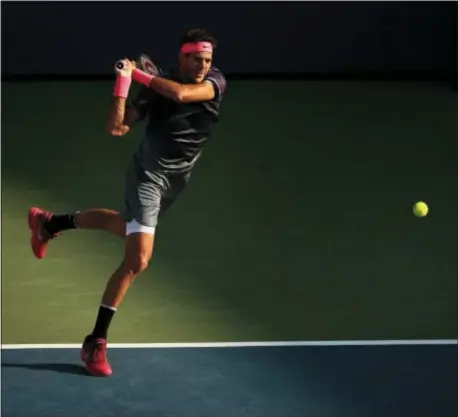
pixel 120 65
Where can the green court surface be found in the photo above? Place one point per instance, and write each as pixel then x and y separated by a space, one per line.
pixel 297 223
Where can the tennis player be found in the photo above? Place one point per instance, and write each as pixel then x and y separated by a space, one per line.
pixel 181 108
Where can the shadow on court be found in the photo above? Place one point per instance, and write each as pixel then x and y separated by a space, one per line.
pixel 357 381
pixel 61 368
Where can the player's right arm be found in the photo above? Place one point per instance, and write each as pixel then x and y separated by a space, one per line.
pixel 122 117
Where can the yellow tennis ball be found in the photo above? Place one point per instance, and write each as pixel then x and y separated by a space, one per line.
pixel 420 209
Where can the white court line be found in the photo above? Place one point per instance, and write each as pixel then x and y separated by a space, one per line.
pixel 242 344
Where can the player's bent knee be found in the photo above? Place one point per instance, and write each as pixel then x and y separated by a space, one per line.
pixel 137 264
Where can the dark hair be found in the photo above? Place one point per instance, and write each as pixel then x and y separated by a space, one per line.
pixel 198 35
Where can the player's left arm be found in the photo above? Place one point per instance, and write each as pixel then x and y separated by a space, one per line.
pixel 184 93
pixel 213 86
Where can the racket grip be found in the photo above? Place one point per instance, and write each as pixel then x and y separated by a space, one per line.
pixel 120 65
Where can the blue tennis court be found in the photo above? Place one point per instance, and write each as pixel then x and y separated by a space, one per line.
pixel 322 380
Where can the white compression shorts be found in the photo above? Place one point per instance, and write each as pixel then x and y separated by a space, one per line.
pixel 135 227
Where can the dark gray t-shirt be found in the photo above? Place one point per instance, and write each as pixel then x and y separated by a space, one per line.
pixel 176 132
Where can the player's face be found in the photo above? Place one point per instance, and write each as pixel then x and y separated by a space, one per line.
pixel 196 66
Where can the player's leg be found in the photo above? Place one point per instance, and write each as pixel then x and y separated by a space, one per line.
pixel 101 219
pixel 138 252
pixel 45 225
pixel 143 196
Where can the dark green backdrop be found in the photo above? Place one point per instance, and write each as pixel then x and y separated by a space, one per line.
pixel 297 224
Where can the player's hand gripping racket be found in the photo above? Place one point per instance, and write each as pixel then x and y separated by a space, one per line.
pixel 144 63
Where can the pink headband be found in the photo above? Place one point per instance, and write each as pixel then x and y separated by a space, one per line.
pixel 193 47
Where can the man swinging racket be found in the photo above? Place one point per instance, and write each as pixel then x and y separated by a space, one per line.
pixel 181 108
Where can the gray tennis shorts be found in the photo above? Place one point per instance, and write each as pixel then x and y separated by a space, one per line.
pixel 148 194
